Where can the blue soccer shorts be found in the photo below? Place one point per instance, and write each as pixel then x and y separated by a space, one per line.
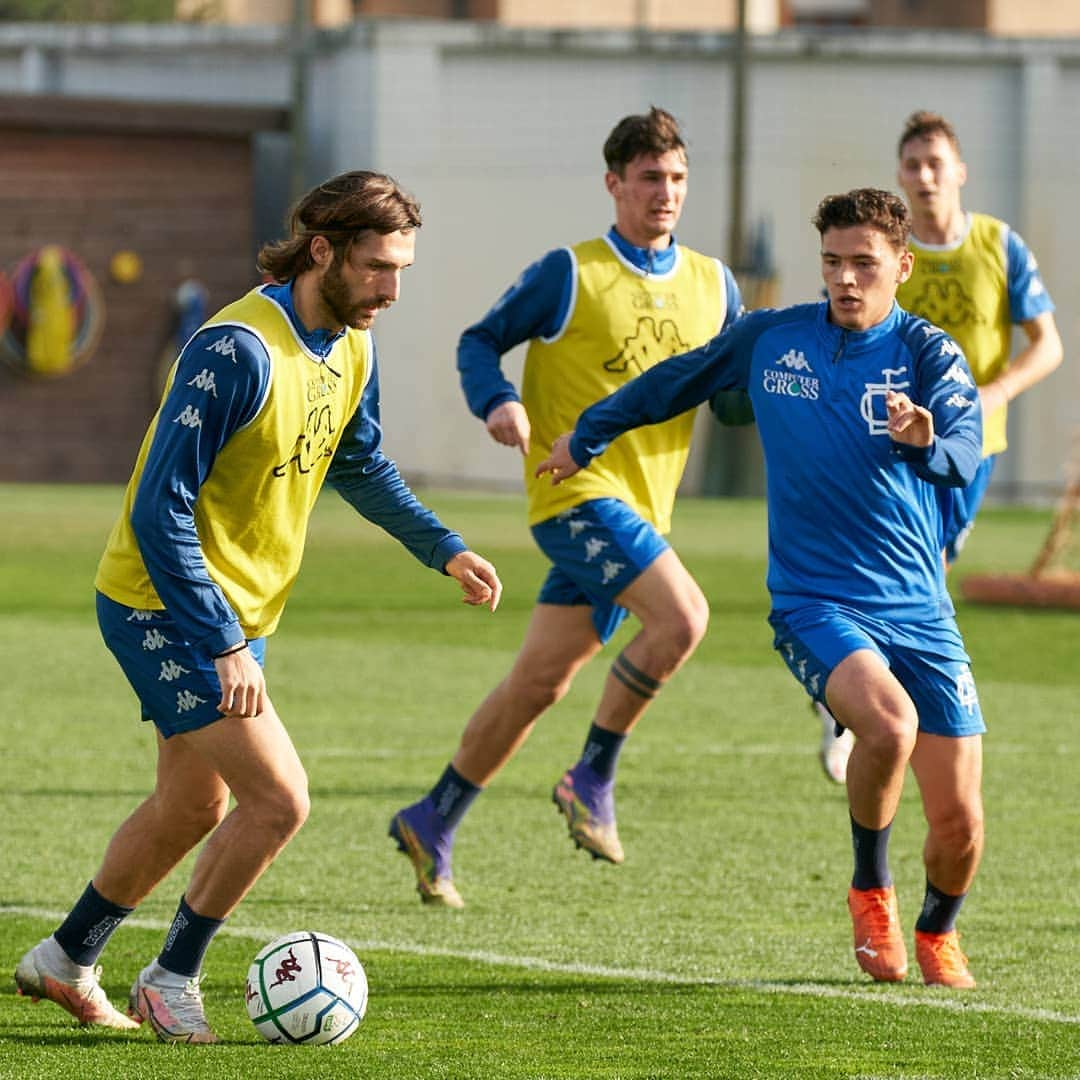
pixel 177 685
pixel 959 507
pixel 597 549
pixel 927 658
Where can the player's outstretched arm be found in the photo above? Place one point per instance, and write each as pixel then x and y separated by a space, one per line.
pixel 559 462
pixel 477 577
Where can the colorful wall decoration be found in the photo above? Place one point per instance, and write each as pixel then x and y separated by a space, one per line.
pixel 56 314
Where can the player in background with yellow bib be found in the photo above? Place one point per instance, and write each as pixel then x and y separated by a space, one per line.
pixel 273 395
pixel 976 279
pixel 595 315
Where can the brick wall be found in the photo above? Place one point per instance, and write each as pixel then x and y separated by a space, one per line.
pixel 182 202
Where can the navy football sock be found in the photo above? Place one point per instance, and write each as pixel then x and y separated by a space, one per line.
pixel 939 911
pixel 871 847
pixel 89 925
pixel 452 796
pixel 187 941
pixel 601 751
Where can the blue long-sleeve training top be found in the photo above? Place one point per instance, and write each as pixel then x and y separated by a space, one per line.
pixel 163 513
pixel 852 514
pixel 537 305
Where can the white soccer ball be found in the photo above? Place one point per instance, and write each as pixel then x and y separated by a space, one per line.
pixel 306 987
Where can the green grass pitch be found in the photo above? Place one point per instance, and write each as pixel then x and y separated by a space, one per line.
pixel 721 948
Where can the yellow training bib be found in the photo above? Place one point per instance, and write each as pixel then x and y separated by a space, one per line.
pixel 622 322
pixel 252 511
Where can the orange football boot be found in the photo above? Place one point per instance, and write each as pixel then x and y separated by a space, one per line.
pixel 879 944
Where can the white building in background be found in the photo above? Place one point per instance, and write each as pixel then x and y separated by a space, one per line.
pixel 498 131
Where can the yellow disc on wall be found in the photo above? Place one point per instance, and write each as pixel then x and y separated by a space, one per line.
pixel 125 267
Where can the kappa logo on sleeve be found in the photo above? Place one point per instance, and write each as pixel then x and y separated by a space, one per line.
pixel 224 346
pixel 204 381
pixel 958 375
pixel 189 418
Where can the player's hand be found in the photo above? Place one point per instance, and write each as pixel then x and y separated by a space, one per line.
pixel 559 462
pixel 909 423
pixel 508 424
pixel 243 684
pixel 477 577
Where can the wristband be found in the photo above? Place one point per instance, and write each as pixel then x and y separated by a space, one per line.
pixel 230 651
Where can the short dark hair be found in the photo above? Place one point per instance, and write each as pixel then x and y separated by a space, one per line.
pixel 881 210
pixel 655 133
pixel 340 209
pixel 923 124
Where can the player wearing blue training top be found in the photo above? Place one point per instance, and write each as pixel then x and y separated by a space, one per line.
pixel 274 394
pixel 863 412
pixel 595 315
pixel 975 278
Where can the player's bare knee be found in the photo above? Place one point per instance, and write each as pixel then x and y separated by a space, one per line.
pixel 698 619
pixel 539 690
pixel 283 809
pixel 958 828
pixel 673 640
pixel 200 819
pixel 891 736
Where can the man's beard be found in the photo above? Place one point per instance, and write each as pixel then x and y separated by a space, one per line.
pixel 334 294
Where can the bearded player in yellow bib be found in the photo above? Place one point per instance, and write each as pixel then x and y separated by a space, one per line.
pixel 595 315
pixel 274 394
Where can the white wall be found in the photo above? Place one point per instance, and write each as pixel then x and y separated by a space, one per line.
pixel 499 132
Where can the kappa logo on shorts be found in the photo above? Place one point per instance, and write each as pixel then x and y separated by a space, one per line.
pixel 577 526
pixel 186 701
pixel 610 570
pixel 171 671
pixel 155 640
pixel 593 546
pixel 138 615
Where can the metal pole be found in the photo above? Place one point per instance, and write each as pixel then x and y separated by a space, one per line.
pixel 298 125
pixel 736 251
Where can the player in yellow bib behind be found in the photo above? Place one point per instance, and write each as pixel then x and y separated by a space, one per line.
pixel 595 315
